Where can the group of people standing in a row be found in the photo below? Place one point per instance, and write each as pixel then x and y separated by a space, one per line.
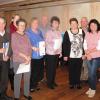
pixel 40 46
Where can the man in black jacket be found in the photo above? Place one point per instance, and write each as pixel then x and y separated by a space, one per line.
pixel 5 53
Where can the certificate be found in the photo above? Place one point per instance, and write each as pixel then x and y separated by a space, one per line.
pixel 85 45
pixel 42 48
pixel 23 68
pixel 6 46
pixel 98 46
pixel 57 43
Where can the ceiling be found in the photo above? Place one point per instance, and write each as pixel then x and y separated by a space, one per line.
pixel 9 1
pixel 10 5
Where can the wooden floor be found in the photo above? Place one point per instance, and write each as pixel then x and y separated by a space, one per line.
pixel 62 92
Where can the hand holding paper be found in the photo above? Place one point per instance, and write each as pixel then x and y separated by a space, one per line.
pixel 42 48
pixel 6 48
pixel 2 50
pixel 23 68
pixel 57 44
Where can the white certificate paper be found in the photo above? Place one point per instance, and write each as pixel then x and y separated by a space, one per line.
pixel 85 45
pixel 42 48
pixel 6 46
pixel 57 43
pixel 98 46
pixel 23 68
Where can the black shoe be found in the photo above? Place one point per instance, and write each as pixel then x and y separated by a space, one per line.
pixel 51 87
pixel 78 87
pixel 28 97
pixel 37 88
pixel 5 97
pixel 34 89
pixel 71 86
pixel 12 88
pixel 16 98
pixel 55 85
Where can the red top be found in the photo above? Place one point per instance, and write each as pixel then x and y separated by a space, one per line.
pixel 13 29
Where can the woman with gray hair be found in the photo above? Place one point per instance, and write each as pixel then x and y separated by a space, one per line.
pixel 21 48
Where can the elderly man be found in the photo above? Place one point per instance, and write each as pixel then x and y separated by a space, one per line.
pixel 44 27
pixel 5 53
pixel 84 73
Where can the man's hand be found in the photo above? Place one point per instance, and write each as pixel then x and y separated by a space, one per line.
pixel 5 58
pixel 2 50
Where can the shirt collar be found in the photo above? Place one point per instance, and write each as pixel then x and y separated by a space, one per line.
pixel 2 33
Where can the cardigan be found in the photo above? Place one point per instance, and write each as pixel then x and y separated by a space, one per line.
pixel 69 44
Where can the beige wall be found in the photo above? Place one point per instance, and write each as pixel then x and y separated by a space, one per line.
pixel 65 12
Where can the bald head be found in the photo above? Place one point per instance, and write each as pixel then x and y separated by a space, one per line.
pixel 84 22
pixel 2 24
pixel 44 20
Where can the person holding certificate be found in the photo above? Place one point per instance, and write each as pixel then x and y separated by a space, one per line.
pixel 38 52
pixel 21 48
pixel 53 41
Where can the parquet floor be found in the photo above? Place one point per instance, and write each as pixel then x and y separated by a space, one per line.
pixel 62 92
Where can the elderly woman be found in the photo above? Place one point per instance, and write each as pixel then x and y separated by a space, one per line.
pixel 53 41
pixel 73 52
pixel 21 48
pixel 37 61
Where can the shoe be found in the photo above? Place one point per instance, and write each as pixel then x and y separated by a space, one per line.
pixel 28 97
pixel 37 88
pixel 89 90
pixel 78 86
pixel 51 87
pixel 55 85
pixel 12 88
pixel 5 97
pixel 91 93
pixel 71 86
pixel 34 89
pixel 16 98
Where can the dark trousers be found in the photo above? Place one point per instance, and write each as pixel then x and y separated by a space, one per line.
pixel 42 69
pixel 36 66
pixel 51 64
pixel 11 74
pixel 75 65
pixel 4 66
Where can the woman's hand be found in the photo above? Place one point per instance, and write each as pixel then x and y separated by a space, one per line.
pixel 84 57
pixel 28 59
pixel 60 55
pixel 88 57
pixel 35 49
pixel 65 58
